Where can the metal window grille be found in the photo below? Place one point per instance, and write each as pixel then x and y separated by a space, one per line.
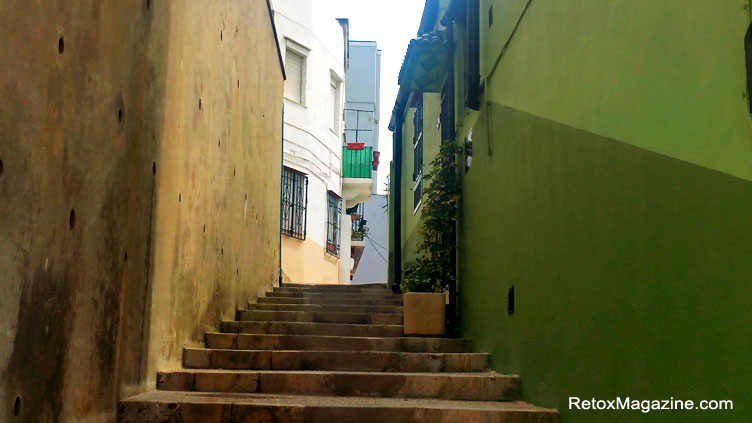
pixel 333 211
pixel 418 154
pixel 417 195
pixel 418 141
pixel 294 203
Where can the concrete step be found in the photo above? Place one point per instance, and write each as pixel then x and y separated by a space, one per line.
pixel 342 301
pixel 335 287
pixel 320 317
pixel 335 343
pixel 336 308
pixel 324 329
pixel 487 386
pixel 362 361
pixel 192 407
pixel 333 297
pixel 334 290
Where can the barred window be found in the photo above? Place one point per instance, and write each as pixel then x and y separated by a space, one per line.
pixel 333 211
pixel 418 154
pixel 294 203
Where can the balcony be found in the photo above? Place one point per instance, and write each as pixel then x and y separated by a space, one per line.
pixel 358 164
pixel 357 235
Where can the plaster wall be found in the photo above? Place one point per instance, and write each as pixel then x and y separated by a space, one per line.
pixel 140 161
pixel 311 145
pixel 611 176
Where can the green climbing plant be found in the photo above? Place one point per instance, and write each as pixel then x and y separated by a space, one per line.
pixel 433 270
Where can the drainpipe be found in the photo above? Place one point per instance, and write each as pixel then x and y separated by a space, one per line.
pixel 397 187
pixel 281 190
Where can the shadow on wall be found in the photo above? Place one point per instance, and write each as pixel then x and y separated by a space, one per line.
pixel 126 130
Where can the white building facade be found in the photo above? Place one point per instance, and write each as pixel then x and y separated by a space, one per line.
pixel 313 211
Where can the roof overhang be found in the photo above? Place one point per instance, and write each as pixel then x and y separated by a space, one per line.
pixel 425 66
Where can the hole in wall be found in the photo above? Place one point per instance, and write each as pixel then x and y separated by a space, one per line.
pixel 222 251
pixel 153 168
pixel 199 104
pixel 233 171
pixel 148 4
pixel 237 271
pixel 510 301
pixel 120 115
pixel 219 143
pixel 238 83
pixel 72 219
pixel 220 35
pixel 60 45
pixel 246 195
pixel 180 197
pixel 204 227
pixel 1 168
pixel 125 256
pixel 17 407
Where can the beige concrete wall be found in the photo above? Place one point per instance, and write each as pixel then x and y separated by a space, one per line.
pixel 131 219
pixel 308 262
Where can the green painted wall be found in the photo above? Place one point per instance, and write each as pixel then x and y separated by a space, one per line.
pixel 614 193
pixel 431 141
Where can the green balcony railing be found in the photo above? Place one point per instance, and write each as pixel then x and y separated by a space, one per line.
pixel 357 163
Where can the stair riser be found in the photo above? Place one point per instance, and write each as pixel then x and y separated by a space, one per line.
pixel 366 291
pixel 475 388
pixel 333 360
pixel 159 412
pixel 328 301
pixel 332 297
pixel 329 308
pixel 323 329
pixel 308 317
pixel 328 343
pixel 382 286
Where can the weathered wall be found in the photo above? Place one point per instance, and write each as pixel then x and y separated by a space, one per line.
pixel 139 191
pixel 614 194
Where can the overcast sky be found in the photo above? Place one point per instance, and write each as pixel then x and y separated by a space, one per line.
pixel 392 24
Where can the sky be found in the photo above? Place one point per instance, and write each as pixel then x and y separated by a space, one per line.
pixel 392 24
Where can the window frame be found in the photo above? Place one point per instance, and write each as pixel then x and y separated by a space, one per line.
pixel 336 119
pixel 294 204
pixel 333 223
pixel 418 125
pixel 301 51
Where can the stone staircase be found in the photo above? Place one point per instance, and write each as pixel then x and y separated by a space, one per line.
pixel 330 354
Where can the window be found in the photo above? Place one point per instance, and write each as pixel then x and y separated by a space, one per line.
pixel 333 211
pixel 334 103
pixel 294 203
pixel 295 70
pixel 418 153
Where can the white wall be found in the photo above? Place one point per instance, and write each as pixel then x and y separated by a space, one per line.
pixel 310 144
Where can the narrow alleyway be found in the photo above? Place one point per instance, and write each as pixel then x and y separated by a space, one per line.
pixel 325 354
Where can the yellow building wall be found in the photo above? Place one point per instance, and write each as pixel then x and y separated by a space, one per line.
pixel 305 261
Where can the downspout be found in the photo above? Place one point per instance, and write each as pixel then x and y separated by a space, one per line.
pixel 281 190
pixel 397 189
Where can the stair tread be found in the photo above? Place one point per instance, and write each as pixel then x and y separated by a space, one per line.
pixel 473 375
pixel 330 401
pixel 335 352
pixel 376 338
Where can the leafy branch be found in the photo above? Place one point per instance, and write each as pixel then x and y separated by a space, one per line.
pixel 433 271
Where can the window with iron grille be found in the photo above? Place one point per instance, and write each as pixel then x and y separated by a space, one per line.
pixel 418 153
pixel 333 211
pixel 294 203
